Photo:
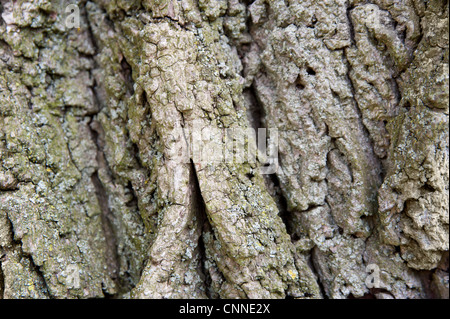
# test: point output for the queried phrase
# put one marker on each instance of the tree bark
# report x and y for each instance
(95, 202)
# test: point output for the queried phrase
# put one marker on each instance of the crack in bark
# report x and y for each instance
(97, 136)
(17, 245)
(89, 29)
(112, 258)
(257, 115)
(38, 271)
(2, 280)
(200, 206)
(106, 215)
(316, 273)
(350, 24)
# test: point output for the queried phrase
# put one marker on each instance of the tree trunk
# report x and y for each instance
(95, 200)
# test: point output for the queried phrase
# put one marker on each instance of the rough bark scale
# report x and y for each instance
(89, 183)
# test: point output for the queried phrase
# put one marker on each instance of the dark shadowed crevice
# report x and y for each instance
(358, 111)
(352, 87)
(133, 202)
(34, 268)
(202, 252)
(115, 227)
(379, 166)
(38, 272)
(439, 276)
(127, 74)
(313, 268)
(9, 188)
(256, 116)
(255, 113)
(350, 24)
(205, 226)
(123, 280)
(281, 201)
(2, 280)
(17, 245)
(299, 83)
(111, 257)
(1, 21)
(200, 207)
(107, 217)
(426, 278)
(89, 29)
(199, 202)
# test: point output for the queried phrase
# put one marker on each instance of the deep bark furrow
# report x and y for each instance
(112, 260)
(2, 281)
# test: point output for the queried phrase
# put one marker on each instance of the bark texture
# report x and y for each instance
(95, 203)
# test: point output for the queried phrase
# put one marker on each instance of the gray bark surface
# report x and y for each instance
(94, 202)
